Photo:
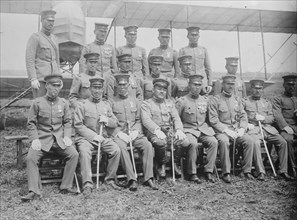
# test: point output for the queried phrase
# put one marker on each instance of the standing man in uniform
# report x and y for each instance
(180, 83)
(49, 127)
(201, 63)
(124, 61)
(42, 54)
(228, 118)
(285, 113)
(107, 63)
(139, 65)
(162, 122)
(127, 111)
(89, 116)
(169, 66)
(231, 67)
(192, 109)
(80, 88)
(258, 110)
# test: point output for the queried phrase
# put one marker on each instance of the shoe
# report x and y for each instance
(151, 184)
(226, 178)
(69, 191)
(249, 176)
(209, 178)
(87, 191)
(177, 170)
(161, 171)
(286, 177)
(261, 177)
(133, 186)
(30, 196)
(194, 178)
(113, 185)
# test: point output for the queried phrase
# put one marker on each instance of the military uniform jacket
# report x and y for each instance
(86, 119)
(158, 114)
(107, 59)
(42, 56)
(170, 60)
(49, 121)
(284, 110)
(193, 113)
(239, 90)
(134, 89)
(139, 58)
(127, 110)
(80, 88)
(226, 112)
(180, 86)
(262, 107)
(201, 63)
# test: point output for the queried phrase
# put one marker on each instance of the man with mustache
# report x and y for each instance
(49, 127)
(42, 54)
(285, 113)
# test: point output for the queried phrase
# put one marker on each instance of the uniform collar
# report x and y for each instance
(99, 42)
(226, 94)
(91, 73)
(46, 32)
(131, 45)
(123, 96)
(164, 47)
(193, 44)
(155, 75)
(95, 100)
(158, 100)
(256, 98)
(289, 95)
(194, 96)
(51, 99)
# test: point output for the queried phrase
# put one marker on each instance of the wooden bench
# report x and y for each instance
(19, 147)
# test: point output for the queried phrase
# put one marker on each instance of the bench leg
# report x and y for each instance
(19, 145)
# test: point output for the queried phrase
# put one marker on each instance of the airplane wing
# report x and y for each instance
(163, 15)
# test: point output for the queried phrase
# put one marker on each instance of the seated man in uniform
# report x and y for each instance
(161, 122)
(49, 127)
(192, 109)
(258, 110)
(89, 116)
(127, 111)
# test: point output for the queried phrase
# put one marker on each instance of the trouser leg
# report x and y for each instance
(32, 160)
(257, 157)
(284, 144)
(125, 159)
(180, 146)
(160, 148)
(192, 154)
(248, 147)
(224, 143)
(211, 144)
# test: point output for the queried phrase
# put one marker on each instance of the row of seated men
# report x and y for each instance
(152, 124)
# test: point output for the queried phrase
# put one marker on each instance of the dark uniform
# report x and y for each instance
(201, 63)
(170, 66)
(107, 61)
(285, 113)
(192, 109)
(240, 88)
(127, 111)
(87, 126)
(42, 54)
(134, 87)
(255, 105)
(80, 87)
(49, 123)
(139, 58)
(161, 115)
(227, 115)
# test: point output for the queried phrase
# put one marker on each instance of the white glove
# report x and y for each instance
(240, 132)
(160, 134)
(288, 129)
(103, 119)
(124, 137)
(67, 141)
(260, 117)
(133, 135)
(231, 133)
(250, 127)
(180, 135)
(207, 89)
(98, 138)
(36, 145)
(35, 84)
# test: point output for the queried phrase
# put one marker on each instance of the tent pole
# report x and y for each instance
(239, 51)
(263, 46)
(115, 33)
(171, 36)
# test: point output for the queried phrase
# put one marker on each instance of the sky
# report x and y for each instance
(16, 29)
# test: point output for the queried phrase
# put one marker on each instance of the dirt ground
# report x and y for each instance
(272, 199)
